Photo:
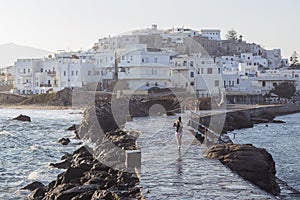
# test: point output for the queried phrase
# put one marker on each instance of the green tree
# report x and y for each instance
(285, 90)
(294, 58)
(232, 35)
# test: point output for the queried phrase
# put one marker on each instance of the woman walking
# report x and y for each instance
(179, 127)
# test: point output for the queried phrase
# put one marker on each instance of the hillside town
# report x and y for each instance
(199, 62)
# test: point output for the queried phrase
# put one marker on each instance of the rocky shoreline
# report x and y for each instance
(253, 164)
(101, 172)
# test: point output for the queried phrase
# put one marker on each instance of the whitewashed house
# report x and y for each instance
(176, 36)
(142, 68)
(228, 63)
(197, 73)
(24, 82)
(211, 34)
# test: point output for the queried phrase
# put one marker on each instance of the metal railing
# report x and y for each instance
(210, 137)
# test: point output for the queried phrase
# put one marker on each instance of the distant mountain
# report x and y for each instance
(10, 52)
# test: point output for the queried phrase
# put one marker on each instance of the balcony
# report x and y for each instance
(52, 74)
(45, 85)
(25, 74)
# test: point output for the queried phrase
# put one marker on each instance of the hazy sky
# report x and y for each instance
(75, 24)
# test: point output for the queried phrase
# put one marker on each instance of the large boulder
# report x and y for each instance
(23, 118)
(34, 185)
(64, 141)
(253, 164)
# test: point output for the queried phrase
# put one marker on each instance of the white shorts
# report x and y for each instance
(178, 133)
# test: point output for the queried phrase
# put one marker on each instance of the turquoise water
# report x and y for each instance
(27, 148)
(282, 141)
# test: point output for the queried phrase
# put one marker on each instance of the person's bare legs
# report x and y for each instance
(179, 137)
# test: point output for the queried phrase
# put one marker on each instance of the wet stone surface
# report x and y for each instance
(167, 173)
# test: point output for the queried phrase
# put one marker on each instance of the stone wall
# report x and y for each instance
(10, 99)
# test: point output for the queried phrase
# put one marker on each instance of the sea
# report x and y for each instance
(27, 148)
(282, 141)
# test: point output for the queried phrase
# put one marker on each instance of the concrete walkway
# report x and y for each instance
(167, 173)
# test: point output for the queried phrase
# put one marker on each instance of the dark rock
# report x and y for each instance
(71, 174)
(253, 164)
(72, 128)
(62, 98)
(84, 196)
(256, 120)
(104, 194)
(62, 165)
(37, 194)
(66, 156)
(57, 190)
(75, 192)
(278, 121)
(64, 141)
(34, 185)
(76, 135)
(23, 118)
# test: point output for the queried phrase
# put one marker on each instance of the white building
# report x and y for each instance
(176, 36)
(24, 81)
(228, 63)
(253, 60)
(211, 34)
(143, 68)
(196, 73)
(275, 59)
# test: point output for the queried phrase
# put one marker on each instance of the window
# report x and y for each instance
(28, 70)
(89, 73)
(274, 84)
(42, 70)
(143, 60)
(72, 73)
(209, 70)
(24, 70)
(65, 73)
(192, 74)
(155, 60)
(191, 63)
(201, 70)
(264, 83)
(97, 73)
(237, 81)
(123, 57)
(217, 83)
(76, 73)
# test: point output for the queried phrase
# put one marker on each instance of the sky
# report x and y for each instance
(77, 24)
